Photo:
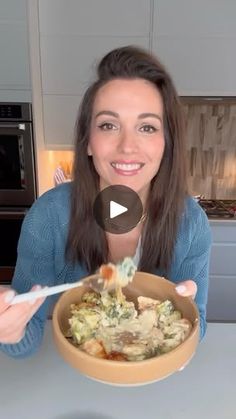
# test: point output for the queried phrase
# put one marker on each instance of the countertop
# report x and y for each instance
(222, 221)
(44, 386)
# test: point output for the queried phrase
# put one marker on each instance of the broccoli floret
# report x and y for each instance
(84, 323)
(117, 310)
(166, 308)
(91, 297)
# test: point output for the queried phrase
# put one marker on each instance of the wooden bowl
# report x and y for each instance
(121, 372)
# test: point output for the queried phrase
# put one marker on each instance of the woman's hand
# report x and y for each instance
(187, 288)
(13, 319)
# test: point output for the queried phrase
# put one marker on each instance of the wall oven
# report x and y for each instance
(10, 227)
(17, 179)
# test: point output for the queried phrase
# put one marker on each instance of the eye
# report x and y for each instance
(147, 128)
(107, 126)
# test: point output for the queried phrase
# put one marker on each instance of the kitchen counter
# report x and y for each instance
(222, 221)
(44, 386)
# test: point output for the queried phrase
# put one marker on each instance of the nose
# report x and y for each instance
(128, 143)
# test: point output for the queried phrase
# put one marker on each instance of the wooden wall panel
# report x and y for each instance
(211, 146)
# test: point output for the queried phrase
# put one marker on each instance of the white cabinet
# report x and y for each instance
(222, 287)
(95, 18)
(14, 63)
(73, 36)
(194, 39)
(196, 42)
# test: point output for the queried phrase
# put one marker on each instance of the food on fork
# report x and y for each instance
(118, 275)
(115, 277)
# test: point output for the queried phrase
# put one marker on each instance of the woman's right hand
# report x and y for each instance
(13, 319)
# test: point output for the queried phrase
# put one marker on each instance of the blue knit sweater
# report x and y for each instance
(41, 258)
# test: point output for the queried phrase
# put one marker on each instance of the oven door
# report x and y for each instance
(10, 227)
(17, 169)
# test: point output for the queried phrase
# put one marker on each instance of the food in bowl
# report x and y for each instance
(106, 325)
(119, 372)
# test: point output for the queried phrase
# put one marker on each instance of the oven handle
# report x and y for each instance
(18, 126)
(9, 215)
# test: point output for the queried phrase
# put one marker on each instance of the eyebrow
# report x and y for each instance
(141, 116)
(116, 115)
(150, 114)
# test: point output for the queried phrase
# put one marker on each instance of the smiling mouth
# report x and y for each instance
(127, 167)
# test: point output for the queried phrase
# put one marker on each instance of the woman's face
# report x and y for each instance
(127, 134)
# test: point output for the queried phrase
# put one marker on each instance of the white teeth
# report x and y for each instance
(127, 167)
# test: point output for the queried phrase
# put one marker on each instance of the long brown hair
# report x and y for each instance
(87, 242)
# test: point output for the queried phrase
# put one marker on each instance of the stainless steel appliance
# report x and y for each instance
(17, 168)
(219, 208)
(10, 226)
(17, 179)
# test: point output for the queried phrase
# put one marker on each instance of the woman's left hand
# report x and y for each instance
(187, 288)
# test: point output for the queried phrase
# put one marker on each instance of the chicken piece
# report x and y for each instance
(116, 356)
(135, 351)
(95, 348)
(146, 303)
(147, 320)
(186, 326)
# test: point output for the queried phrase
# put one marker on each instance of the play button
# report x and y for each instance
(117, 209)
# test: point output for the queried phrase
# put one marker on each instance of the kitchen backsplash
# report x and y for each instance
(211, 145)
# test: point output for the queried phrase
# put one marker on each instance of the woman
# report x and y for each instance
(129, 132)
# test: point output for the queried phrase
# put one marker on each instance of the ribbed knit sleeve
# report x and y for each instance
(196, 245)
(35, 265)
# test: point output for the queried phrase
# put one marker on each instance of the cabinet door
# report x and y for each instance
(221, 301)
(95, 18)
(222, 280)
(14, 62)
(73, 37)
(196, 42)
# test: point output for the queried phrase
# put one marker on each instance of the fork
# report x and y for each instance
(105, 279)
(96, 282)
